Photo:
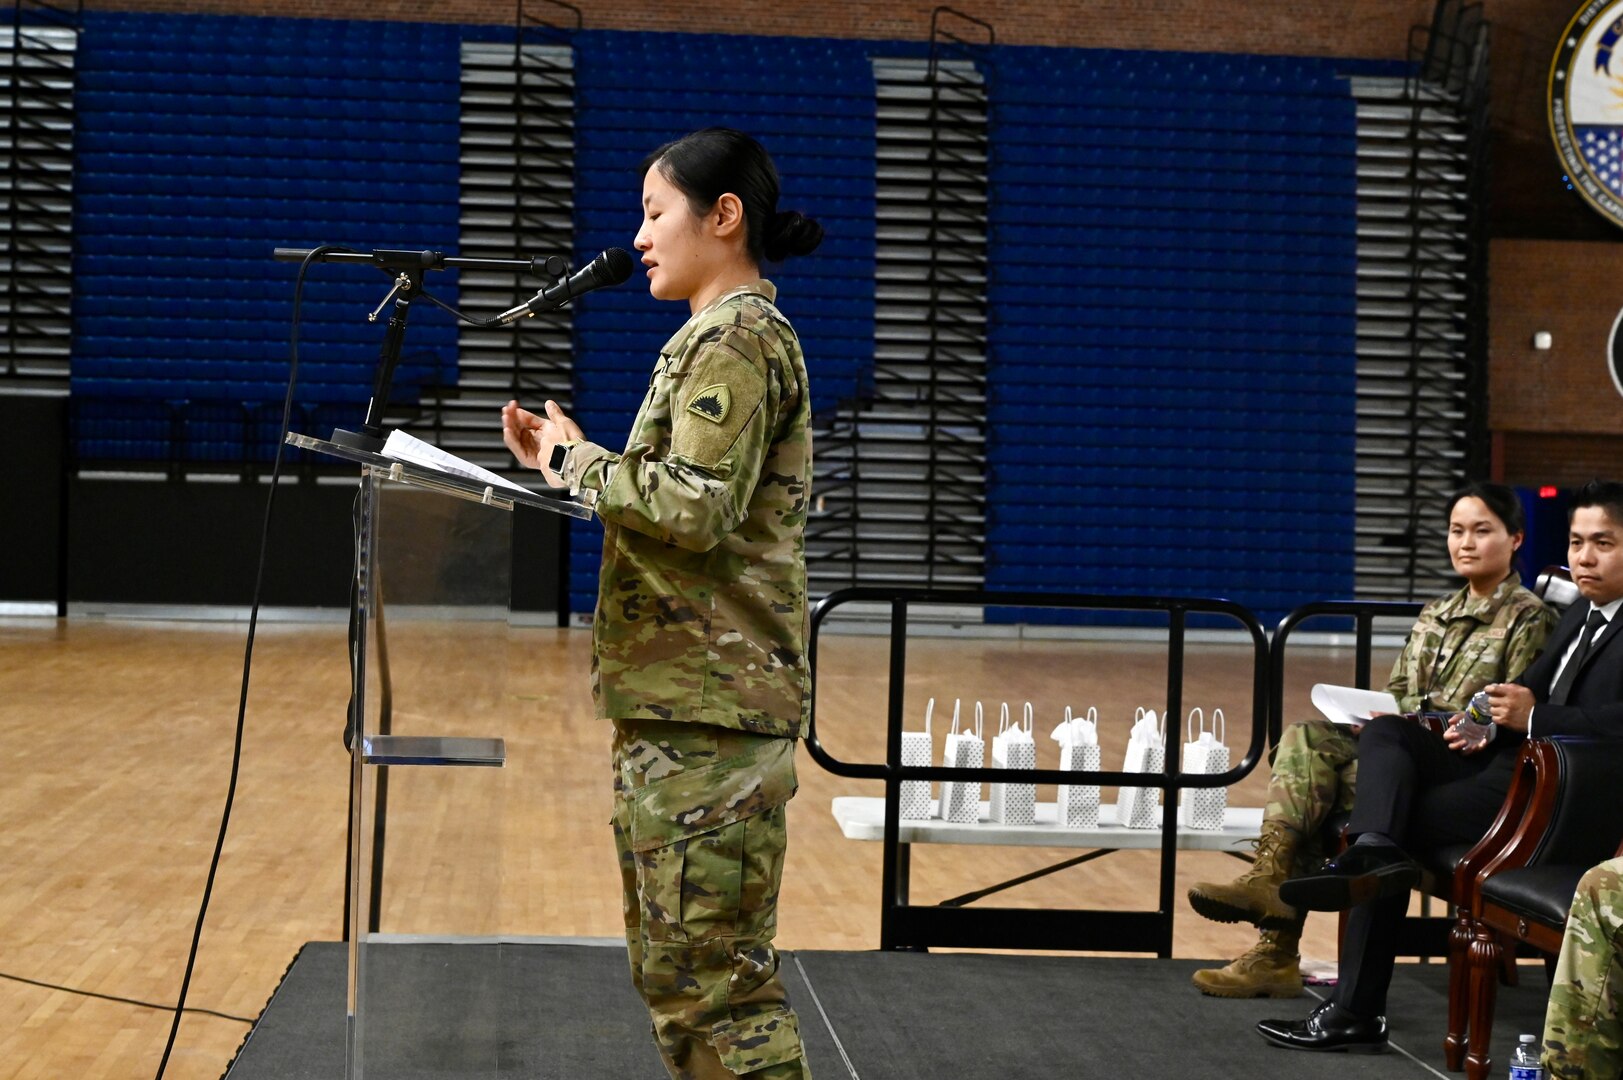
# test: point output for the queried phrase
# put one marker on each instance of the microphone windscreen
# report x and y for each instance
(617, 266)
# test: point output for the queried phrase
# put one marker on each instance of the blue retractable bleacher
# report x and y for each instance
(1173, 251)
(203, 142)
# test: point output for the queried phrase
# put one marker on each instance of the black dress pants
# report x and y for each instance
(1414, 789)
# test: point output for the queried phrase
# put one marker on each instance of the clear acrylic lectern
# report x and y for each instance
(440, 551)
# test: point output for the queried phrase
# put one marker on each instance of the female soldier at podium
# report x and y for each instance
(701, 623)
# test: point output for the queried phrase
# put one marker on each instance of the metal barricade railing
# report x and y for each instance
(903, 925)
(1362, 612)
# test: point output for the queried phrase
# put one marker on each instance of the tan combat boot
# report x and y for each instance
(1271, 969)
(1253, 897)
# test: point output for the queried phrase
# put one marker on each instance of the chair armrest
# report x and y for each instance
(1572, 813)
(1532, 769)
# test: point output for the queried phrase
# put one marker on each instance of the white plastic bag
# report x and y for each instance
(1013, 748)
(1146, 753)
(915, 794)
(1078, 739)
(1204, 754)
(961, 799)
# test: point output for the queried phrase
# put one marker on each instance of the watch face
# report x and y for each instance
(560, 452)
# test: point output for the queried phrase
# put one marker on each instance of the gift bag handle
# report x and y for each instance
(1003, 719)
(1029, 719)
(1161, 728)
(1192, 732)
(955, 703)
(929, 710)
(979, 728)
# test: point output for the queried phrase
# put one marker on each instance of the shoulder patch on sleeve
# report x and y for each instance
(730, 385)
(712, 402)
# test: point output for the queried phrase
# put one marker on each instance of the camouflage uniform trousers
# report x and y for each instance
(700, 897)
(1315, 772)
(1583, 1034)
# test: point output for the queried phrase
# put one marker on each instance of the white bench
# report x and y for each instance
(863, 818)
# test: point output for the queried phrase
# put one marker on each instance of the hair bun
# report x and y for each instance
(791, 233)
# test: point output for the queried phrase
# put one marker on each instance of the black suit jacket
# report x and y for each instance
(1595, 705)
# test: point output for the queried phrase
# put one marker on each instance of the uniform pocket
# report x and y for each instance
(758, 1042)
(697, 801)
(712, 882)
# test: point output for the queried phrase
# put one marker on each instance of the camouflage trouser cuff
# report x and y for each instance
(757, 1042)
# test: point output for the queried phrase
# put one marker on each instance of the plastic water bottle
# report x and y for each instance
(1525, 1063)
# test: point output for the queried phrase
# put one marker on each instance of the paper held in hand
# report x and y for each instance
(414, 451)
(1350, 705)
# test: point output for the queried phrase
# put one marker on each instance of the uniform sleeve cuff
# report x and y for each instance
(586, 468)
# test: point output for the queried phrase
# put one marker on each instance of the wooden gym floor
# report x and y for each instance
(116, 754)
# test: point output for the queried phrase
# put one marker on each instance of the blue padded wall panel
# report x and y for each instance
(1172, 326)
(811, 103)
(203, 142)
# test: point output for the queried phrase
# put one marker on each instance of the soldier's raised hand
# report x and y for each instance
(522, 431)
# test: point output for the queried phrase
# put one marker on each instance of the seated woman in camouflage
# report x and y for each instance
(699, 637)
(1487, 632)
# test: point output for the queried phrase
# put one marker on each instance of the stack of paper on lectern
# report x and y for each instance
(414, 451)
(1350, 705)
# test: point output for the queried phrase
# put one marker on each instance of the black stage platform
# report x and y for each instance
(567, 1011)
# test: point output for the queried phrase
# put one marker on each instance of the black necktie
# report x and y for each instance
(1569, 674)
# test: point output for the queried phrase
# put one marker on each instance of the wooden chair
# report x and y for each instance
(1561, 817)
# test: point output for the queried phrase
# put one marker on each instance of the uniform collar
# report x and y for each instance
(760, 286)
(1462, 605)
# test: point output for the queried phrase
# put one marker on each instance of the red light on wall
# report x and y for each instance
(1548, 492)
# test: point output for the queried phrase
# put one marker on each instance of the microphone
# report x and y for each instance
(610, 268)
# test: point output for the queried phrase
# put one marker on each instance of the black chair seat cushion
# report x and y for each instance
(1442, 861)
(1541, 894)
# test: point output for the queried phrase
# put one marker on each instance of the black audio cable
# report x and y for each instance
(248, 651)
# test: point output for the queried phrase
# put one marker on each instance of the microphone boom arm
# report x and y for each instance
(408, 269)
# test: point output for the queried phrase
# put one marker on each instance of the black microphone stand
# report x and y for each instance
(408, 269)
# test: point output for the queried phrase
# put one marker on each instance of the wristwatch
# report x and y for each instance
(560, 457)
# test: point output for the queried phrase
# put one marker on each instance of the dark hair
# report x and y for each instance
(707, 164)
(1498, 498)
(1606, 494)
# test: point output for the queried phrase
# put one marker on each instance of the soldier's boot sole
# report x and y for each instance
(1216, 986)
(1280, 916)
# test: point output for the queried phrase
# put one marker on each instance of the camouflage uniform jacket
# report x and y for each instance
(1461, 643)
(701, 602)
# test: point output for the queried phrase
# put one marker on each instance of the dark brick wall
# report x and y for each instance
(1557, 417)
(1368, 28)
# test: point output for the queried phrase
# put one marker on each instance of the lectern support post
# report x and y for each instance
(384, 749)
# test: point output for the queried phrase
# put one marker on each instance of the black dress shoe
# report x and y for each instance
(1328, 1027)
(1362, 873)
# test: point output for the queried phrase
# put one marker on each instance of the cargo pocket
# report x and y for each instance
(758, 1042)
(712, 880)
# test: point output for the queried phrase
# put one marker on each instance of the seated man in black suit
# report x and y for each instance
(1417, 791)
